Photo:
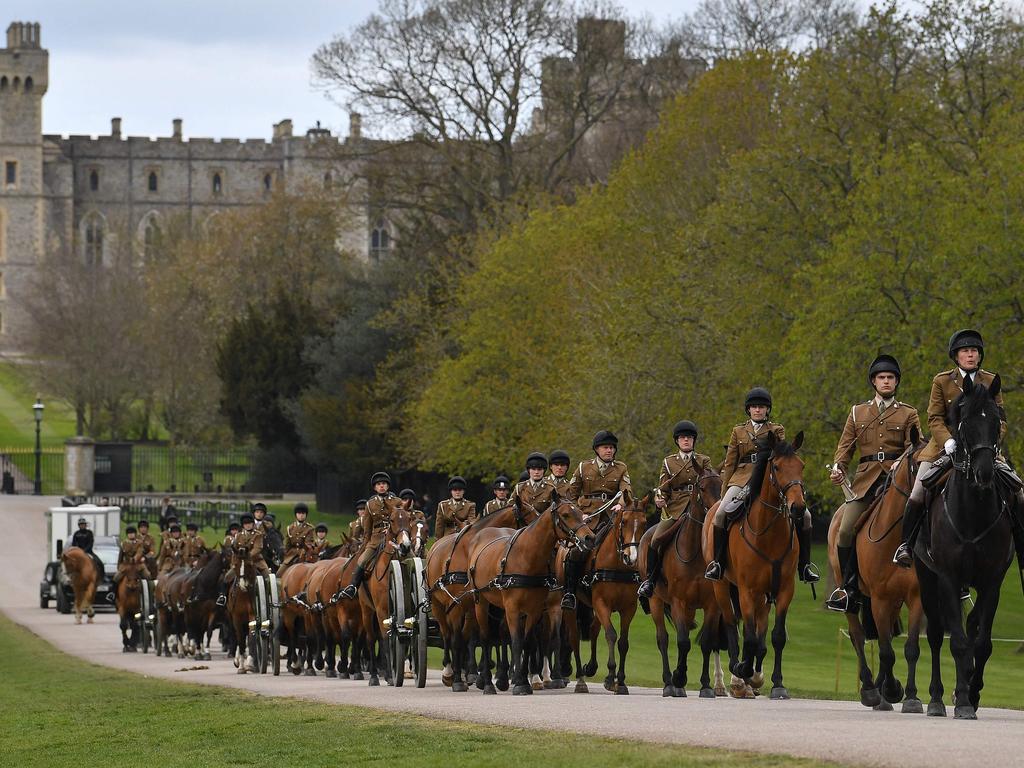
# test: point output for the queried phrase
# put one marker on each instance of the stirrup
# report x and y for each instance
(646, 589)
(714, 571)
(569, 601)
(809, 574)
(965, 593)
(349, 593)
(838, 601)
(222, 600)
(903, 557)
(111, 597)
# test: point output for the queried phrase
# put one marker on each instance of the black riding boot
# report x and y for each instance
(653, 574)
(846, 597)
(572, 581)
(805, 569)
(720, 539)
(912, 515)
(352, 590)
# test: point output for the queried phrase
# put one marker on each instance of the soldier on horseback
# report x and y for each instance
(195, 547)
(262, 522)
(229, 535)
(83, 537)
(455, 513)
(594, 483)
(320, 542)
(172, 550)
(558, 461)
(376, 519)
(677, 486)
(966, 350)
(131, 551)
(249, 541)
(501, 487)
(298, 537)
(881, 430)
(537, 491)
(747, 445)
(409, 499)
(355, 528)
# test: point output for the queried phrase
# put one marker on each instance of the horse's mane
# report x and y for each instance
(784, 448)
(331, 552)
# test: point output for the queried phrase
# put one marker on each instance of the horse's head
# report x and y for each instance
(787, 472)
(401, 529)
(131, 577)
(709, 488)
(630, 524)
(974, 423)
(570, 525)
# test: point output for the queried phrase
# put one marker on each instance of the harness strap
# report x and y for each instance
(611, 575)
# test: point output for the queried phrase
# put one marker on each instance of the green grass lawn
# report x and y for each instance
(17, 420)
(59, 710)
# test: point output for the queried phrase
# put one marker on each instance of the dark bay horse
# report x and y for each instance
(761, 565)
(684, 591)
(201, 609)
(886, 589)
(968, 542)
(129, 603)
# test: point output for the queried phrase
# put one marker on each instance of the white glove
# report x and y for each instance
(950, 446)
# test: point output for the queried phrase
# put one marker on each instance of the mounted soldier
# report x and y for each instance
(262, 522)
(130, 551)
(966, 350)
(195, 547)
(454, 513)
(320, 542)
(558, 461)
(83, 537)
(229, 535)
(595, 482)
(375, 520)
(298, 538)
(748, 444)
(880, 429)
(249, 541)
(536, 491)
(501, 487)
(420, 528)
(677, 486)
(172, 549)
(148, 544)
(355, 528)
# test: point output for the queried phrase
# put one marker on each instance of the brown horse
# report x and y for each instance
(761, 565)
(447, 575)
(886, 589)
(81, 571)
(344, 617)
(511, 570)
(611, 572)
(240, 611)
(129, 603)
(374, 599)
(321, 624)
(684, 591)
(201, 585)
(294, 618)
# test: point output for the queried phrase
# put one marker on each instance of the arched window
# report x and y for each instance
(151, 237)
(218, 185)
(3, 83)
(93, 236)
(153, 182)
(94, 181)
(268, 182)
(380, 239)
(16, 83)
(28, 85)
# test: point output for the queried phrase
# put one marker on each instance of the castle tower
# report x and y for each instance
(24, 72)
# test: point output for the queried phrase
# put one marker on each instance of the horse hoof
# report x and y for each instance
(870, 697)
(374, 681)
(609, 683)
(447, 679)
(524, 689)
(319, 664)
(472, 677)
(489, 690)
(964, 712)
(132, 649)
(668, 691)
(883, 706)
(720, 691)
(343, 676)
(708, 693)
(778, 693)
(537, 685)
(893, 691)
(621, 690)
(502, 683)
(740, 690)
(357, 676)
(330, 673)
(550, 685)
(581, 687)
(241, 671)
(936, 709)
(590, 669)
(78, 619)
(459, 686)
(912, 707)
(310, 672)
(757, 680)
(89, 620)
(559, 684)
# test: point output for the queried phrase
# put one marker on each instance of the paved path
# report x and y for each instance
(833, 730)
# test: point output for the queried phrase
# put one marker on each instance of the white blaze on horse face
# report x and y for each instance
(632, 550)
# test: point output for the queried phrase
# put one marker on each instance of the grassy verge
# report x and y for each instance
(58, 710)
(17, 421)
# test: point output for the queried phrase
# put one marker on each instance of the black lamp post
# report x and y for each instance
(37, 408)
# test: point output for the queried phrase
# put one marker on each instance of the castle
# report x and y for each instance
(82, 193)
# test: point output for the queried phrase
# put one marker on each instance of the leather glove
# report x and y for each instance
(950, 446)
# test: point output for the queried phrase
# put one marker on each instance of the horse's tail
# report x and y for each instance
(715, 633)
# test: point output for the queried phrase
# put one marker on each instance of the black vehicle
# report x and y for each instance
(54, 587)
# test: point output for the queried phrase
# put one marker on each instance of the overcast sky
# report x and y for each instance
(227, 68)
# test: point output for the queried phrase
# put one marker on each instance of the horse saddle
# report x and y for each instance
(1009, 477)
(736, 506)
(936, 474)
(99, 566)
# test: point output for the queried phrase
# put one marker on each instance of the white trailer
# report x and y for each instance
(62, 522)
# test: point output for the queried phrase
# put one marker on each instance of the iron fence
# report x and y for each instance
(18, 470)
(164, 468)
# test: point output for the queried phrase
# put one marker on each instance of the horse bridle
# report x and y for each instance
(571, 534)
(620, 544)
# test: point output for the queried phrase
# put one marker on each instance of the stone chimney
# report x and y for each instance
(283, 130)
(355, 126)
(176, 134)
(115, 127)
(23, 35)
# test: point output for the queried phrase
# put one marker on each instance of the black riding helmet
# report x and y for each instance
(174, 527)
(143, 523)
(884, 364)
(684, 427)
(321, 527)
(501, 483)
(191, 527)
(407, 493)
(536, 460)
(360, 504)
(757, 396)
(966, 337)
(301, 507)
(130, 529)
(248, 519)
(559, 457)
(457, 482)
(259, 505)
(380, 477)
(524, 475)
(604, 437)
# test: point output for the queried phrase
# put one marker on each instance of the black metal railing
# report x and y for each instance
(18, 470)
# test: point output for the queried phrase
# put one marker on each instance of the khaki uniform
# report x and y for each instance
(747, 444)
(376, 519)
(540, 495)
(355, 529)
(251, 542)
(319, 545)
(195, 547)
(130, 552)
(453, 516)
(148, 544)
(172, 554)
(493, 506)
(595, 482)
(880, 440)
(561, 483)
(946, 389)
(685, 472)
(298, 537)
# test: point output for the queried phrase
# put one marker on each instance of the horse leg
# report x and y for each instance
(912, 652)
(625, 618)
(504, 662)
(985, 610)
(747, 610)
(887, 682)
(869, 695)
(460, 648)
(573, 637)
(661, 636)
(719, 676)
(706, 638)
(935, 633)
(603, 615)
(778, 645)
(513, 618)
(123, 623)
